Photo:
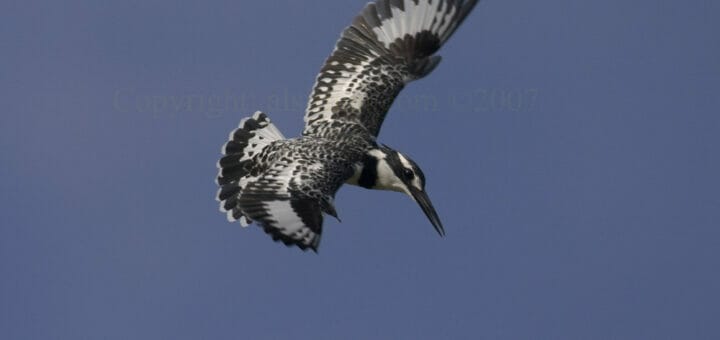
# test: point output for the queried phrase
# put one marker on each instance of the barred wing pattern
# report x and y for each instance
(389, 44)
(288, 200)
(283, 185)
(283, 211)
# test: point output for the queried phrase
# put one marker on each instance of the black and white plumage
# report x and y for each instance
(285, 185)
(388, 45)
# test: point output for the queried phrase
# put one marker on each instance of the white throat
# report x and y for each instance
(386, 178)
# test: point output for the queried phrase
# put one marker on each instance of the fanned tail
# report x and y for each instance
(235, 168)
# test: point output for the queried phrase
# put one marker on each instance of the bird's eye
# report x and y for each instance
(408, 174)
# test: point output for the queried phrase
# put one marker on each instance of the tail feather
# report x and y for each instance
(236, 166)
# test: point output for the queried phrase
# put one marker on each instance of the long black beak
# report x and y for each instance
(424, 201)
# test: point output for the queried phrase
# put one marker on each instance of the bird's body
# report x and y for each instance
(287, 184)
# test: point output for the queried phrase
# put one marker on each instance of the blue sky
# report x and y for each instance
(570, 149)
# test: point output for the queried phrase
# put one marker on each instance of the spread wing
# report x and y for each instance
(390, 43)
(281, 201)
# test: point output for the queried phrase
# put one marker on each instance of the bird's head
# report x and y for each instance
(387, 169)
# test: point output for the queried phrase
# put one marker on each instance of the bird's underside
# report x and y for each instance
(285, 185)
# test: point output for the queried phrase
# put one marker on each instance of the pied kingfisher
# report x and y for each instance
(285, 185)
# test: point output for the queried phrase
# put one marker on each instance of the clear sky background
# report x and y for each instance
(570, 148)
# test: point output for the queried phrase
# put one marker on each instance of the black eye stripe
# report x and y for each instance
(409, 174)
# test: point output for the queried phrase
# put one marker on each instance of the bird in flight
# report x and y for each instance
(286, 185)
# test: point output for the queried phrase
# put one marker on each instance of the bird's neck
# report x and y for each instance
(373, 172)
